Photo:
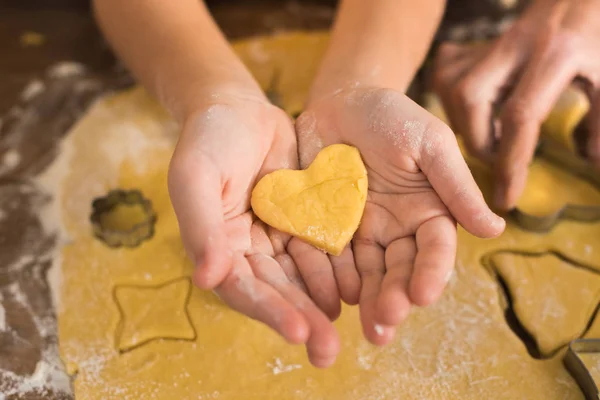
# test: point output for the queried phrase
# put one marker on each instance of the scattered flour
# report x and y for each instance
(308, 137)
(2, 318)
(34, 88)
(278, 367)
(66, 69)
(10, 160)
(378, 329)
(49, 374)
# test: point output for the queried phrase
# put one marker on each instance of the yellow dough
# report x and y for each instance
(123, 217)
(155, 340)
(540, 196)
(542, 290)
(567, 113)
(322, 204)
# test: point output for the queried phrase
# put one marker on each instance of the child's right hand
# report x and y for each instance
(419, 186)
(229, 143)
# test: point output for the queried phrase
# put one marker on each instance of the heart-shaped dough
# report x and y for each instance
(322, 204)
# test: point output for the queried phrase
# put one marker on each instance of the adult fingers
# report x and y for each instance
(548, 73)
(323, 342)
(195, 189)
(317, 273)
(453, 61)
(370, 261)
(243, 292)
(434, 262)
(346, 276)
(393, 304)
(475, 94)
(448, 173)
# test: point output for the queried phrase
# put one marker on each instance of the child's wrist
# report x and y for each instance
(204, 95)
(224, 94)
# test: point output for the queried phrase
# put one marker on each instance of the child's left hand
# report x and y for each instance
(419, 184)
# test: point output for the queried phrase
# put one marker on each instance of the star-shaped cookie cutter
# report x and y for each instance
(131, 237)
(578, 166)
(577, 368)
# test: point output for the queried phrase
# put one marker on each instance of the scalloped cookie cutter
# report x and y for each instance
(127, 230)
(578, 166)
(577, 368)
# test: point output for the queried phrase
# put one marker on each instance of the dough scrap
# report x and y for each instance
(459, 348)
(548, 292)
(154, 312)
(322, 204)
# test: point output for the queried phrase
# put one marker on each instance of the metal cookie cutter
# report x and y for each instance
(577, 368)
(123, 218)
(566, 159)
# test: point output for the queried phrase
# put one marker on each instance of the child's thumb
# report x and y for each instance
(196, 197)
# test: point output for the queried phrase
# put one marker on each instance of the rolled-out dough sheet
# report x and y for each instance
(460, 348)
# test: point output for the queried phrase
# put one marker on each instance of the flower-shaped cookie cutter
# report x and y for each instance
(578, 166)
(577, 367)
(130, 236)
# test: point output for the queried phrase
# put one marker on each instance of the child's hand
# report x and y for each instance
(419, 184)
(225, 147)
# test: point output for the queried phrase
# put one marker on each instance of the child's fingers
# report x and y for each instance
(393, 304)
(323, 342)
(317, 273)
(346, 276)
(370, 261)
(243, 292)
(434, 262)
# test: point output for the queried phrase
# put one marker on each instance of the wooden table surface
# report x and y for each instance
(32, 123)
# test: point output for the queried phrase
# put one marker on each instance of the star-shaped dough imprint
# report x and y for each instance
(152, 313)
(551, 299)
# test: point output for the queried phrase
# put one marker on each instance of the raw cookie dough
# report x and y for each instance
(566, 115)
(548, 292)
(322, 204)
(459, 348)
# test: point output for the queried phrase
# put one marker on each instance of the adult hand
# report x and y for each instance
(522, 73)
(419, 184)
(224, 148)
